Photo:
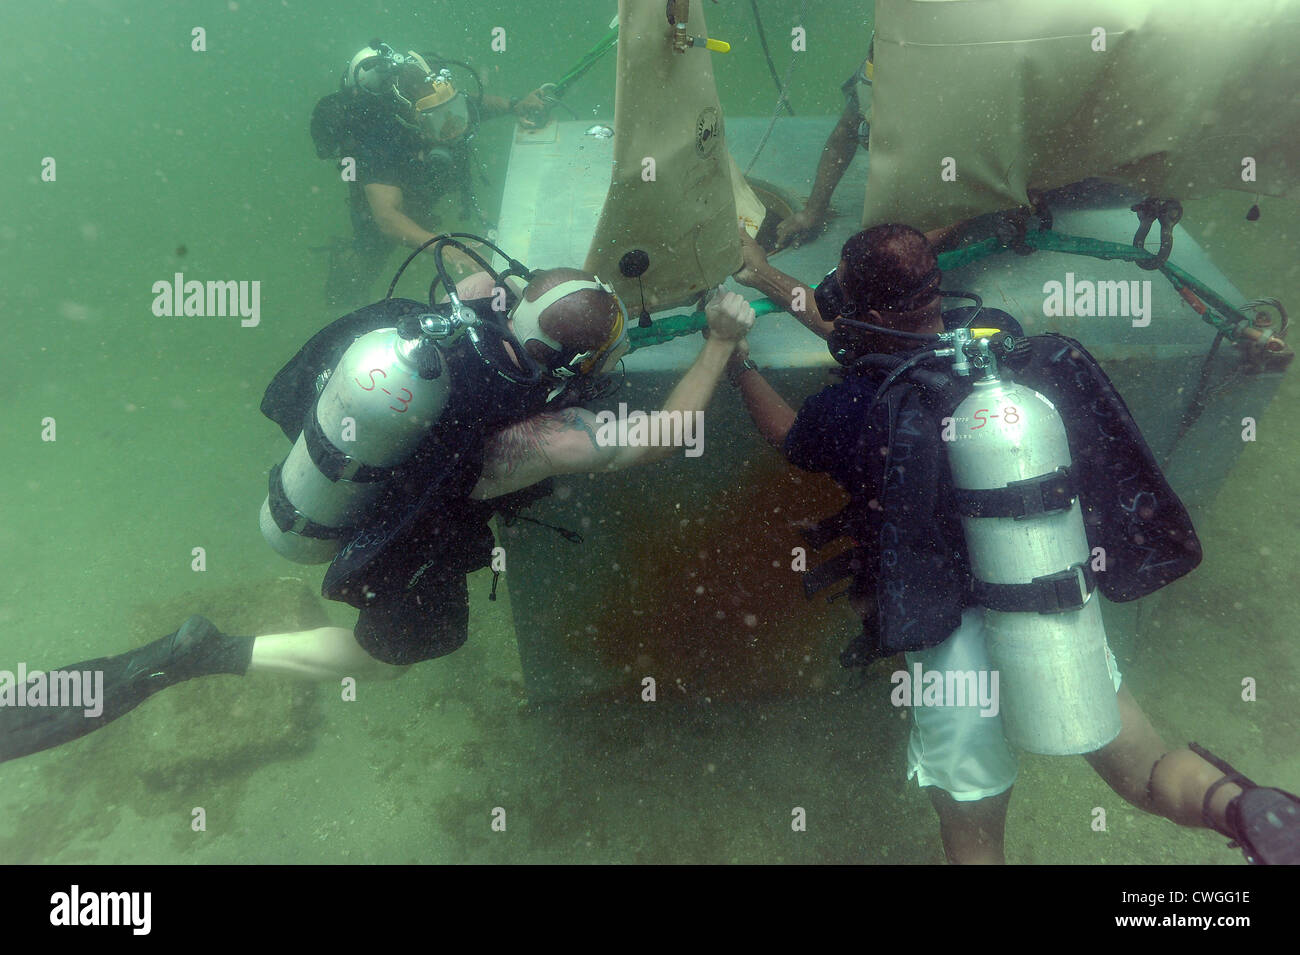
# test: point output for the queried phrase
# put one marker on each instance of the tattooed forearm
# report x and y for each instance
(508, 449)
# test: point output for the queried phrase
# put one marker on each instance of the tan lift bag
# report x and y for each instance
(668, 125)
(1177, 98)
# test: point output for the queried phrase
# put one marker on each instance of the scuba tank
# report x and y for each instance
(380, 401)
(377, 405)
(1038, 473)
(1029, 557)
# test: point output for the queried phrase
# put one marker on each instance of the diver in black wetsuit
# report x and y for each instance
(402, 134)
(888, 278)
(410, 586)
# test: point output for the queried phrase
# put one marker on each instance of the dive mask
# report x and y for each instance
(834, 302)
(831, 300)
(443, 114)
(846, 342)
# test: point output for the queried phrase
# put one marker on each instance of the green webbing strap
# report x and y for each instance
(675, 326)
(589, 59)
(1220, 315)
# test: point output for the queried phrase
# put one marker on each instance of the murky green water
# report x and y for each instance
(174, 160)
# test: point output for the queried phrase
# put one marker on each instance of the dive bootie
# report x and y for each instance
(197, 648)
(1263, 822)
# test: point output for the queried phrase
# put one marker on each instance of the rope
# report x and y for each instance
(767, 52)
(783, 99)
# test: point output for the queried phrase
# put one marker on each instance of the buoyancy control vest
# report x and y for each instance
(912, 550)
(425, 513)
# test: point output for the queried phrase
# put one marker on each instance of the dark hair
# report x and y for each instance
(887, 265)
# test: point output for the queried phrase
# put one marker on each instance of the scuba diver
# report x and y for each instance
(922, 583)
(406, 127)
(459, 408)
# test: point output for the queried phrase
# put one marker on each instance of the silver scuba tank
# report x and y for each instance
(377, 405)
(1029, 556)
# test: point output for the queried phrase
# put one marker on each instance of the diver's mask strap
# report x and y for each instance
(926, 289)
(532, 311)
(615, 345)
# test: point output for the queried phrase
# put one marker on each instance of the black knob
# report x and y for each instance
(634, 264)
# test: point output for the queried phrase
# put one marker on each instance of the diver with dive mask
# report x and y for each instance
(476, 453)
(970, 455)
(402, 131)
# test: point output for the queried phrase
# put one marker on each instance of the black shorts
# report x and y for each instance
(427, 619)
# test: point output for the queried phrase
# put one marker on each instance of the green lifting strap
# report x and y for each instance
(1219, 314)
(589, 59)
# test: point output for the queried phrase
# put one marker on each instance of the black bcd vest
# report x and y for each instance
(425, 516)
(912, 550)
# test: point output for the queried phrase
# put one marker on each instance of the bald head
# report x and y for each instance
(582, 319)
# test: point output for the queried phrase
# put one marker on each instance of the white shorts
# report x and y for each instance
(955, 747)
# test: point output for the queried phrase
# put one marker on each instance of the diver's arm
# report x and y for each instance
(575, 441)
(570, 441)
(773, 417)
(690, 395)
(494, 106)
(531, 111)
(841, 146)
(785, 290)
(386, 206)
(547, 444)
(730, 319)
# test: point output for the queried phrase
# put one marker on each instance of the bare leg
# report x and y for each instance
(1148, 774)
(973, 832)
(323, 654)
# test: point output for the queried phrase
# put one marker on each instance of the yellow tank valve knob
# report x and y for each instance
(717, 46)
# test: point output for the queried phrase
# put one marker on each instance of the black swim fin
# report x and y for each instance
(1264, 822)
(198, 648)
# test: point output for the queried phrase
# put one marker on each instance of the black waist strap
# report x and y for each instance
(289, 519)
(1061, 592)
(1038, 495)
(828, 528)
(333, 463)
(823, 575)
